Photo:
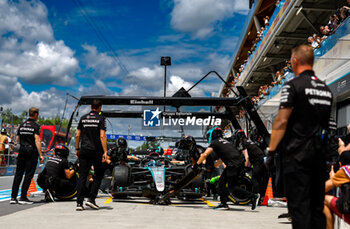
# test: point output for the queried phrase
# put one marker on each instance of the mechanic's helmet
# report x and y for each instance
(3, 131)
(186, 143)
(61, 150)
(214, 133)
(238, 137)
(254, 134)
(160, 150)
(121, 143)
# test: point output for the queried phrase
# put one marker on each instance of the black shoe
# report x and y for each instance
(80, 207)
(25, 201)
(13, 201)
(222, 206)
(92, 204)
(255, 200)
(48, 196)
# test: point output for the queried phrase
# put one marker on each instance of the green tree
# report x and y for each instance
(9, 117)
(148, 145)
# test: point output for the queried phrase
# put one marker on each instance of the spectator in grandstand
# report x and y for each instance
(286, 69)
(347, 7)
(260, 33)
(278, 76)
(324, 32)
(249, 53)
(266, 21)
(339, 179)
(343, 13)
(331, 23)
(278, 2)
(313, 43)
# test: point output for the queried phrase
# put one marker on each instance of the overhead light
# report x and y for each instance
(249, 33)
(247, 84)
(299, 10)
(265, 58)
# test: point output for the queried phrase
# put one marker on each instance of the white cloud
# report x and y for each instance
(97, 88)
(27, 19)
(14, 96)
(29, 50)
(177, 82)
(105, 65)
(219, 63)
(50, 102)
(149, 78)
(200, 16)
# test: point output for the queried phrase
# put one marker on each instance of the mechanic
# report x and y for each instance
(255, 160)
(301, 125)
(119, 153)
(28, 135)
(234, 162)
(55, 178)
(194, 151)
(91, 149)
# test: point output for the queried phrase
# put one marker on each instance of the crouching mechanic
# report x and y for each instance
(55, 178)
(234, 162)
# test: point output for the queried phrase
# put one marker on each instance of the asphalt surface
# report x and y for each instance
(133, 213)
(138, 213)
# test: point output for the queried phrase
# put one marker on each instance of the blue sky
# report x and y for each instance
(49, 48)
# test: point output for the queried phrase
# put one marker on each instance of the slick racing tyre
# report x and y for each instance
(245, 183)
(121, 176)
(197, 183)
(69, 194)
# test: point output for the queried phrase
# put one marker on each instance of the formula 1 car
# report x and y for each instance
(151, 177)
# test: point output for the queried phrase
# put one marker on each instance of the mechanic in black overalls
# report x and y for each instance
(91, 149)
(234, 162)
(28, 136)
(119, 154)
(302, 122)
(256, 160)
(55, 178)
(194, 151)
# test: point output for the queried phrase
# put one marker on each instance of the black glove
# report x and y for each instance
(270, 159)
(73, 166)
(195, 167)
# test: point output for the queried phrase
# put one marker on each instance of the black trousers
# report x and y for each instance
(85, 163)
(60, 186)
(305, 189)
(259, 178)
(230, 176)
(26, 163)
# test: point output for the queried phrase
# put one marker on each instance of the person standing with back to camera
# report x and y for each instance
(91, 149)
(301, 126)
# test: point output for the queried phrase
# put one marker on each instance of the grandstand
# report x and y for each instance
(255, 61)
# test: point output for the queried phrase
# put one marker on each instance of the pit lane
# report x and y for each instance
(138, 213)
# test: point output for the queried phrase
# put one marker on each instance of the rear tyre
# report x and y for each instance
(245, 183)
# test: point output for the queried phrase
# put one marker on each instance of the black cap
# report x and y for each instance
(344, 158)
